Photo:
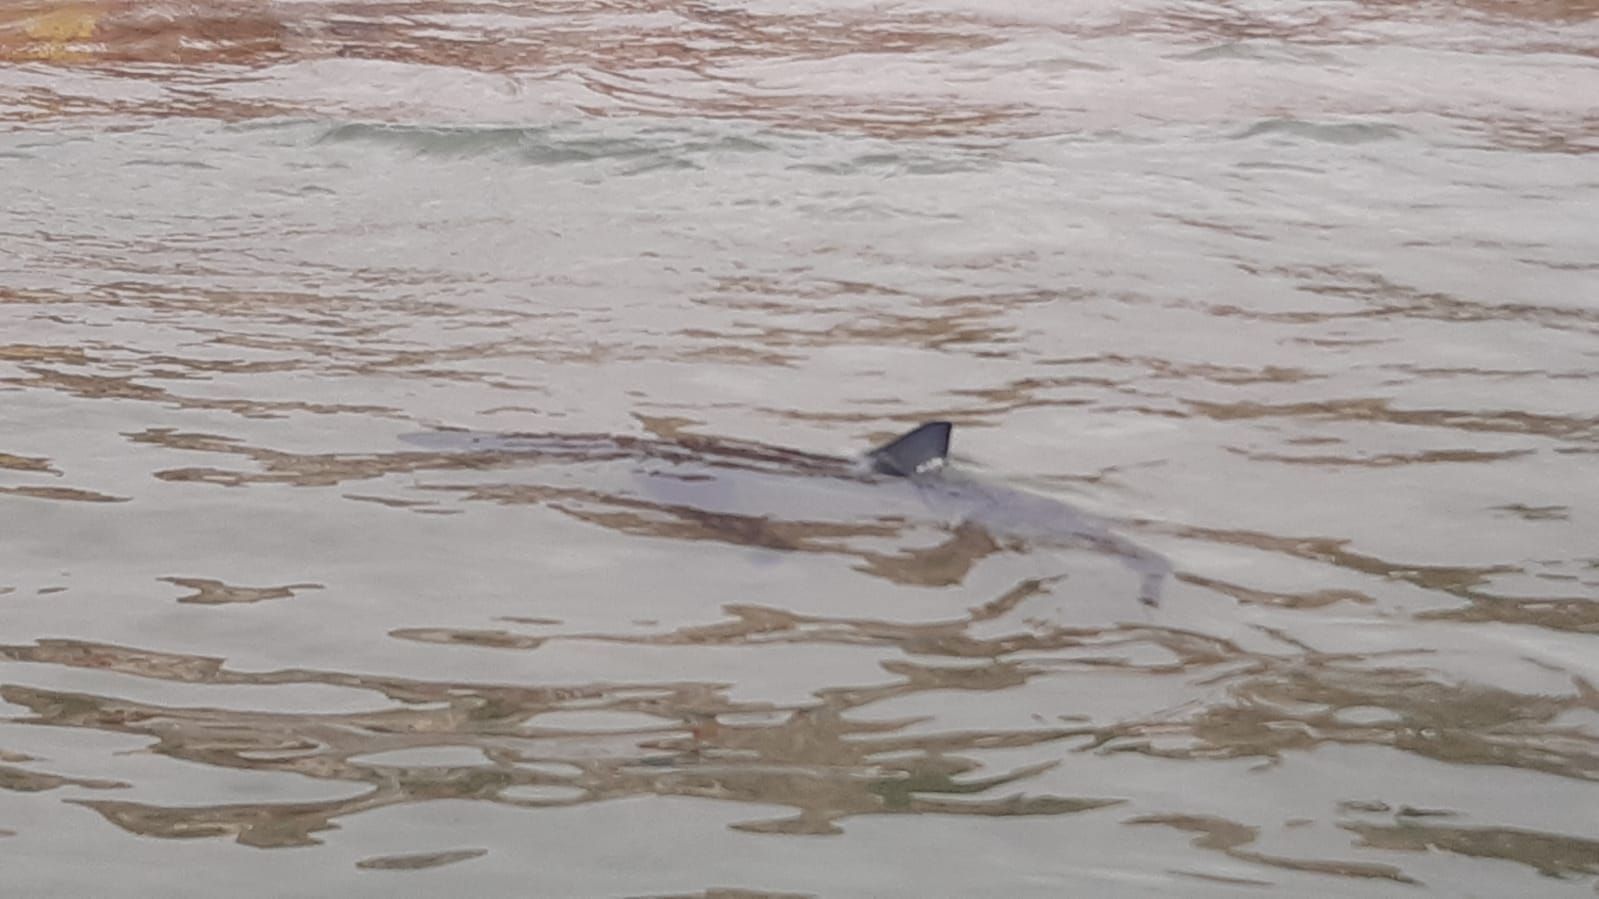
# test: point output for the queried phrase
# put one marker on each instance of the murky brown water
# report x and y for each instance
(1304, 297)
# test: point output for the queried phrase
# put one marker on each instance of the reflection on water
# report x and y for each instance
(814, 759)
(1230, 837)
(1300, 298)
(212, 591)
(1551, 854)
(419, 860)
(828, 760)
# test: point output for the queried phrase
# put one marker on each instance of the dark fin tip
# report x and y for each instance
(909, 453)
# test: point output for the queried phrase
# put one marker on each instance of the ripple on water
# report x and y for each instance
(1299, 296)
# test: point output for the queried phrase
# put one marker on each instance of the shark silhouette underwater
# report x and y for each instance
(753, 494)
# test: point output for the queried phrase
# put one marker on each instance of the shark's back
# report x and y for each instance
(1006, 513)
(1041, 521)
(732, 489)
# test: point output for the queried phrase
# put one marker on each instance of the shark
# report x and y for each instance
(696, 487)
(921, 457)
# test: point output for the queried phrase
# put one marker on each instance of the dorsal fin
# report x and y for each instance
(914, 451)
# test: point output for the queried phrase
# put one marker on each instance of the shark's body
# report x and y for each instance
(922, 457)
(732, 491)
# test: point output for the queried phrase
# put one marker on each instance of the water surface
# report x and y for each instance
(1303, 297)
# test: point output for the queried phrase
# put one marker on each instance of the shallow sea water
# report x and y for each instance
(1305, 297)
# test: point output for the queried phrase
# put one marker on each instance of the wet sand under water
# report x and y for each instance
(1304, 298)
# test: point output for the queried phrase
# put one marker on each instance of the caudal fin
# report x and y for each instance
(912, 452)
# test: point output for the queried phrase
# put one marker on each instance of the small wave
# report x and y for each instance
(1324, 132)
(549, 145)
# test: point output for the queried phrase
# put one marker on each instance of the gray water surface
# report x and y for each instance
(1301, 297)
